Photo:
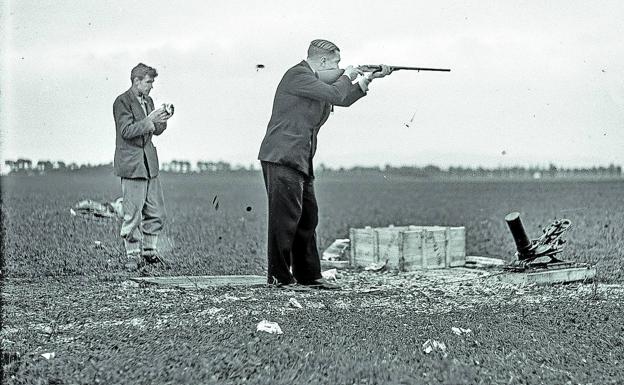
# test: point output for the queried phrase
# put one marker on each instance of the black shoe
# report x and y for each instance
(323, 284)
(289, 286)
(151, 256)
(134, 262)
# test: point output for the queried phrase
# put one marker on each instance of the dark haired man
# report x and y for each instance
(136, 162)
(301, 106)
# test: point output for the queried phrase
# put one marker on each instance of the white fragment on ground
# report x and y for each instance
(48, 356)
(376, 266)
(269, 327)
(294, 303)
(129, 284)
(330, 274)
(136, 322)
(315, 305)
(460, 331)
(337, 250)
(434, 345)
(72, 212)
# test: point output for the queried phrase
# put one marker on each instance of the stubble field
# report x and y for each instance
(63, 294)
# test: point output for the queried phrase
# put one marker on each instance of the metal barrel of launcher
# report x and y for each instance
(523, 243)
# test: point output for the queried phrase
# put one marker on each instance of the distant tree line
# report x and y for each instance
(431, 171)
(26, 166)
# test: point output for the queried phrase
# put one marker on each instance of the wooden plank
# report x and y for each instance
(483, 262)
(434, 247)
(455, 246)
(204, 281)
(334, 264)
(411, 243)
(363, 247)
(548, 277)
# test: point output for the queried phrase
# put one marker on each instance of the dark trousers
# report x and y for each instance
(293, 216)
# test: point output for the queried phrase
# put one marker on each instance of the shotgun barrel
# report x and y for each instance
(330, 76)
(375, 68)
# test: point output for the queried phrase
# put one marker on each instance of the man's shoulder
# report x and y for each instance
(298, 71)
(300, 68)
(122, 98)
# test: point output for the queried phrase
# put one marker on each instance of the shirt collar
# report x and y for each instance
(141, 98)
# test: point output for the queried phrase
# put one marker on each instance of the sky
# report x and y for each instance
(531, 82)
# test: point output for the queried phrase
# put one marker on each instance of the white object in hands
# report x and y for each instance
(168, 107)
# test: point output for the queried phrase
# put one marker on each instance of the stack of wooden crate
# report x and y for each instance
(408, 247)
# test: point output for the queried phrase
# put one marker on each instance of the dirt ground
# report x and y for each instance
(375, 330)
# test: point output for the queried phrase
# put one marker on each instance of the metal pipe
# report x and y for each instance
(523, 243)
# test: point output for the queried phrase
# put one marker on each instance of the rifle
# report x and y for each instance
(330, 76)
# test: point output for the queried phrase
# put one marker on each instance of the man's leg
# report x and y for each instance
(153, 216)
(306, 262)
(284, 187)
(133, 192)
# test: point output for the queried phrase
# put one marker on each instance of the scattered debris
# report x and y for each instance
(294, 303)
(460, 331)
(376, 266)
(434, 345)
(483, 262)
(89, 207)
(372, 290)
(337, 250)
(269, 327)
(48, 356)
(410, 121)
(330, 274)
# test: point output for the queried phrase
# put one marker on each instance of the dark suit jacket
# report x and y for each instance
(301, 106)
(135, 154)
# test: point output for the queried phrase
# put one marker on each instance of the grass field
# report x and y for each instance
(61, 293)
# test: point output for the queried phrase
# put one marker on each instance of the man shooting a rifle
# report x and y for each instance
(303, 101)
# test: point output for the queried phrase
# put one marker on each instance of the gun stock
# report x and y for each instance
(330, 76)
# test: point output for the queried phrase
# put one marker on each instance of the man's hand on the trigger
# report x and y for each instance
(385, 71)
(158, 116)
(352, 72)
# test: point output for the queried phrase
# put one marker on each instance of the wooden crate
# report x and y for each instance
(408, 247)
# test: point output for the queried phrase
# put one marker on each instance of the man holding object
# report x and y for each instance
(136, 162)
(301, 106)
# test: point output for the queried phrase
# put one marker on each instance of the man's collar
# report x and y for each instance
(136, 93)
(309, 66)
